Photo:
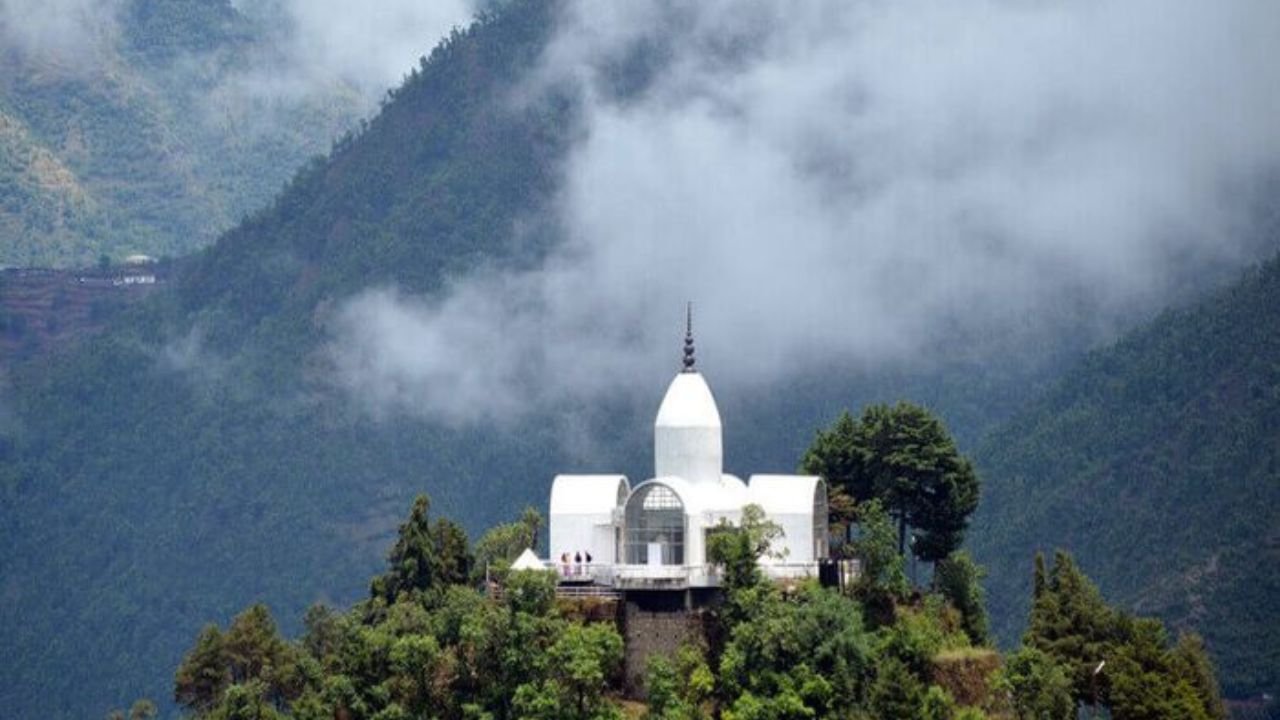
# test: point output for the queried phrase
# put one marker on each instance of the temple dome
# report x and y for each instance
(687, 436)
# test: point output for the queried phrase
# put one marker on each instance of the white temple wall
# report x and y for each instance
(692, 453)
(796, 544)
(592, 533)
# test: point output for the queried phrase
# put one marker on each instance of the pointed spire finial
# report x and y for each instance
(688, 339)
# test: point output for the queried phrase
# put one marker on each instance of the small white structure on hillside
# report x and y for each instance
(654, 535)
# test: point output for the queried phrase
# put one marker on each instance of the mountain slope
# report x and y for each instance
(152, 480)
(144, 147)
(1157, 463)
(198, 457)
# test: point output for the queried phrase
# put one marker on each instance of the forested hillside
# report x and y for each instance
(199, 456)
(144, 144)
(235, 476)
(1157, 462)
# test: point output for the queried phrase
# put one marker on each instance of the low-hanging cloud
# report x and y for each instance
(316, 44)
(853, 183)
(306, 47)
(73, 34)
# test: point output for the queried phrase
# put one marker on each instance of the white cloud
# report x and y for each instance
(72, 34)
(370, 46)
(856, 183)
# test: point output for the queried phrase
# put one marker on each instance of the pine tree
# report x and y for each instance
(204, 672)
(959, 579)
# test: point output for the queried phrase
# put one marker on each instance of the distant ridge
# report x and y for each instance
(131, 149)
(1157, 463)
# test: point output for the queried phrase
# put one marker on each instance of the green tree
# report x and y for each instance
(1037, 688)
(253, 645)
(883, 572)
(1141, 684)
(1071, 622)
(807, 647)
(737, 549)
(246, 702)
(501, 545)
(937, 704)
(1190, 662)
(959, 580)
(204, 673)
(143, 709)
(896, 694)
(677, 690)
(1143, 678)
(426, 556)
(903, 456)
(582, 661)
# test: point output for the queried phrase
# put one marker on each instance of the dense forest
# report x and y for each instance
(146, 145)
(1158, 459)
(196, 458)
(432, 641)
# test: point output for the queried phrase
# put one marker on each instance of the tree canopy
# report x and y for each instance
(903, 456)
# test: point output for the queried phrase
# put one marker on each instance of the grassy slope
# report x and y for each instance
(1157, 462)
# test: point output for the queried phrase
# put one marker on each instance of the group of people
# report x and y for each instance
(579, 559)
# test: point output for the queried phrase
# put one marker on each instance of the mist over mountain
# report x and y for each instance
(484, 284)
(1158, 459)
(865, 183)
(151, 127)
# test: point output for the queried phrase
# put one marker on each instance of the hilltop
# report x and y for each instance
(197, 456)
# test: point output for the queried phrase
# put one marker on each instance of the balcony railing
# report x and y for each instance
(671, 576)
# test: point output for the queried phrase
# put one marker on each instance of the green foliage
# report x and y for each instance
(502, 544)
(904, 457)
(1036, 686)
(246, 702)
(1155, 462)
(918, 635)
(808, 652)
(738, 548)
(1071, 622)
(154, 146)
(583, 659)
(883, 568)
(143, 709)
(200, 442)
(204, 673)
(1143, 677)
(240, 476)
(937, 705)
(959, 579)
(1190, 663)
(448, 653)
(798, 653)
(239, 672)
(897, 693)
(678, 690)
(427, 557)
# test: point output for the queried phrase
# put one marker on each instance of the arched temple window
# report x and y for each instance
(655, 526)
(821, 533)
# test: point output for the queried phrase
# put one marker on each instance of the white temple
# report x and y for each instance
(653, 535)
